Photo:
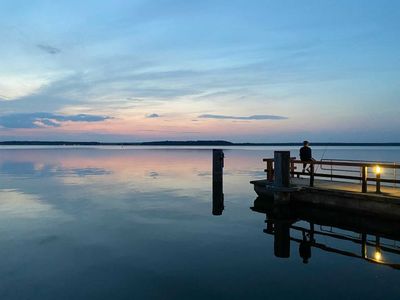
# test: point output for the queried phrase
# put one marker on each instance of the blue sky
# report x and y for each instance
(235, 70)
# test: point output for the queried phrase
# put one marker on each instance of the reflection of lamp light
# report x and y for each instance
(378, 255)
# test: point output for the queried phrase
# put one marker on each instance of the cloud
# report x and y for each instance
(151, 116)
(48, 49)
(253, 117)
(41, 119)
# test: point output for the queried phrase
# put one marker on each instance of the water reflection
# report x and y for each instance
(357, 236)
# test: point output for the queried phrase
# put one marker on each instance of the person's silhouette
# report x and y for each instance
(305, 155)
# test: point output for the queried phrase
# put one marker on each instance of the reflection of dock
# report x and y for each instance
(375, 242)
(367, 191)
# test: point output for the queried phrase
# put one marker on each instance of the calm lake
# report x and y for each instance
(137, 223)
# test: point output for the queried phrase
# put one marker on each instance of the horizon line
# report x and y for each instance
(189, 143)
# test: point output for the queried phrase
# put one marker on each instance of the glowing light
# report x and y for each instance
(378, 255)
(378, 170)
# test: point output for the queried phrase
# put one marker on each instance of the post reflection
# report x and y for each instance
(282, 238)
(217, 182)
(306, 228)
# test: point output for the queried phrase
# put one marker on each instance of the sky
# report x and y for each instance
(243, 71)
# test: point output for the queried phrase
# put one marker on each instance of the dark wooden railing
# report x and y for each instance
(364, 167)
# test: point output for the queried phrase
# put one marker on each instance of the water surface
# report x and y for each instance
(137, 223)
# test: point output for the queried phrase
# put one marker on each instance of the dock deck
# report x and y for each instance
(338, 186)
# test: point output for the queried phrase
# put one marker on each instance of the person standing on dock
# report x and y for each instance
(306, 155)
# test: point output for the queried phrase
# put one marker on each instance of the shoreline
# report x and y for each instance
(184, 143)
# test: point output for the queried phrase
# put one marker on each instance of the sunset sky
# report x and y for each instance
(257, 71)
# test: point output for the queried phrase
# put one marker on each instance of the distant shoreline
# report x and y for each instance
(179, 143)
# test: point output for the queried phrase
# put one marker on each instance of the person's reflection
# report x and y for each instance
(306, 243)
(217, 185)
(270, 226)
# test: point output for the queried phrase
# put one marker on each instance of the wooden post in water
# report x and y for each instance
(364, 177)
(217, 185)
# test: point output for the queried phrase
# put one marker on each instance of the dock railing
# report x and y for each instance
(367, 171)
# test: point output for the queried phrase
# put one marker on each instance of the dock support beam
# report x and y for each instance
(217, 184)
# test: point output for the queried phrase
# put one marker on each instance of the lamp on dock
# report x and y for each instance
(378, 171)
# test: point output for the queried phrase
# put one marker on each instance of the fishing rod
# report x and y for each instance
(322, 157)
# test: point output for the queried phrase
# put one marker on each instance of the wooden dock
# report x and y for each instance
(368, 193)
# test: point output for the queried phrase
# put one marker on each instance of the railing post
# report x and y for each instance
(378, 183)
(364, 178)
(311, 174)
(270, 170)
(292, 168)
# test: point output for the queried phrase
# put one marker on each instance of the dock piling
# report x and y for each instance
(281, 176)
(282, 168)
(217, 184)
